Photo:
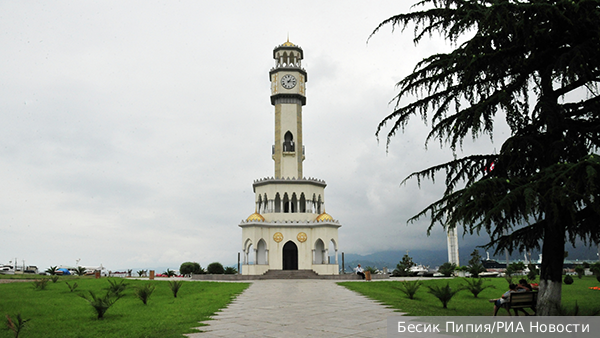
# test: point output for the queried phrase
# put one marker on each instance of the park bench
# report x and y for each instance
(521, 300)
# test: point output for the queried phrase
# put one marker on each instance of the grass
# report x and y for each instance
(463, 303)
(56, 311)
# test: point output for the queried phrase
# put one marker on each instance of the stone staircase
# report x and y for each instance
(290, 274)
(304, 274)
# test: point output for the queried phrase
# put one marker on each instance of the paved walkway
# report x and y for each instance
(299, 308)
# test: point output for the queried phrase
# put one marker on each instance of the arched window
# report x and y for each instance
(288, 142)
(319, 252)
(302, 203)
(284, 59)
(332, 252)
(265, 204)
(294, 203)
(262, 253)
(248, 252)
(259, 204)
(277, 203)
(319, 205)
(286, 203)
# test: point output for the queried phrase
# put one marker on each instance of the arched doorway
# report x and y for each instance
(290, 256)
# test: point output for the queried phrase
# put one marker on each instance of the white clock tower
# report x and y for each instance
(289, 229)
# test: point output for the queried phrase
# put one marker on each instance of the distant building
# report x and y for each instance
(453, 247)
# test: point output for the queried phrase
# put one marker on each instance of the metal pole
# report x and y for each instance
(344, 266)
(239, 272)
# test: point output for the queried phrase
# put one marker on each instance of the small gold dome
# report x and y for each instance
(288, 44)
(324, 217)
(255, 217)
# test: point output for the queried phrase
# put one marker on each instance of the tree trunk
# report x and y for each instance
(553, 255)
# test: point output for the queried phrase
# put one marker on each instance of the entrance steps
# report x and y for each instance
(290, 274)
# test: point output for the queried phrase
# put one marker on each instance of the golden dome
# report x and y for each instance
(255, 217)
(288, 43)
(324, 217)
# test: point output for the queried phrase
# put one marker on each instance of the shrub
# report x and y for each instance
(373, 270)
(116, 286)
(595, 268)
(533, 272)
(72, 288)
(40, 284)
(568, 280)
(80, 271)
(144, 292)
(141, 273)
(52, 270)
(54, 279)
(443, 293)
(476, 286)
(188, 268)
(169, 273)
(16, 325)
(101, 304)
(409, 288)
(580, 271)
(215, 268)
(475, 265)
(230, 270)
(447, 269)
(175, 286)
(514, 268)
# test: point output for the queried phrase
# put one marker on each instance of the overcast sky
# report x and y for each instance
(132, 131)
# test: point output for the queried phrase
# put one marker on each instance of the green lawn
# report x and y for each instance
(58, 312)
(463, 303)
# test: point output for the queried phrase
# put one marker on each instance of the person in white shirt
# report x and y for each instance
(360, 271)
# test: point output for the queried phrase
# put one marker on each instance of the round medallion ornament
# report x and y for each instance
(278, 237)
(301, 237)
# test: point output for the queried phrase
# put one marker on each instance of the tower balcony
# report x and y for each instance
(286, 151)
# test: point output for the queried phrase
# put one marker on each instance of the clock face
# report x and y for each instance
(288, 81)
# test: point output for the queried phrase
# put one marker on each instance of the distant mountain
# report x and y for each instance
(435, 258)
